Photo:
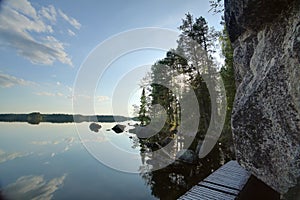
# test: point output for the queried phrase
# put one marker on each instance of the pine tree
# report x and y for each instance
(195, 43)
(144, 119)
(192, 59)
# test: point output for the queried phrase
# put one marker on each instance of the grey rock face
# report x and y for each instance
(266, 117)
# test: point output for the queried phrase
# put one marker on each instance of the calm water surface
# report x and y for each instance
(48, 161)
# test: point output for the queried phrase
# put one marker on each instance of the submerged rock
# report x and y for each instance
(186, 155)
(95, 127)
(165, 141)
(119, 128)
(266, 114)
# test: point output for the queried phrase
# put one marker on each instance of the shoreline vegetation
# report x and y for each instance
(36, 118)
(191, 71)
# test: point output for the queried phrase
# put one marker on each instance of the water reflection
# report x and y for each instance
(49, 160)
(174, 180)
(95, 127)
(5, 156)
(33, 187)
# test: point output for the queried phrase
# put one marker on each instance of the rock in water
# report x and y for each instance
(118, 128)
(266, 117)
(186, 155)
(95, 127)
(143, 132)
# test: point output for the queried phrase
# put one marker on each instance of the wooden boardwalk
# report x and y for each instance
(223, 184)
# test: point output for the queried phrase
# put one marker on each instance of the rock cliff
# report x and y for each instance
(266, 117)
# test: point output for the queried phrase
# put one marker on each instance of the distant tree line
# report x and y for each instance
(36, 118)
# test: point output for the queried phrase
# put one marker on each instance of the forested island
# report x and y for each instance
(36, 118)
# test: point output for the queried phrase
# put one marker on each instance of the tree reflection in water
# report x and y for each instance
(174, 180)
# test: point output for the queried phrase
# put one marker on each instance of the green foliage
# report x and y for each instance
(144, 119)
(216, 6)
(194, 31)
(193, 60)
(227, 73)
(195, 42)
(34, 118)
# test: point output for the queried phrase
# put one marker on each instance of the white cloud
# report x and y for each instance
(59, 94)
(87, 97)
(41, 142)
(7, 81)
(23, 6)
(4, 156)
(67, 148)
(33, 187)
(49, 13)
(22, 27)
(71, 33)
(67, 143)
(97, 139)
(102, 98)
(70, 89)
(70, 20)
(48, 94)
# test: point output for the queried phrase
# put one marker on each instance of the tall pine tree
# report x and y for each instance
(144, 119)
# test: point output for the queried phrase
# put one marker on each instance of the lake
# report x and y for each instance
(51, 161)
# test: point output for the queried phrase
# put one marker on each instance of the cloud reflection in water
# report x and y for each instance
(33, 187)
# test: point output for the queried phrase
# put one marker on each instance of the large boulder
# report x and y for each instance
(187, 156)
(119, 128)
(266, 117)
(95, 127)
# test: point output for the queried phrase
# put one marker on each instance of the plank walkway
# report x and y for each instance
(224, 184)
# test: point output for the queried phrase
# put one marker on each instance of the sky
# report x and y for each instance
(44, 44)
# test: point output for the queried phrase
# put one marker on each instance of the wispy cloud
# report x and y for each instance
(47, 94)
(102, 98)
(71, 33)
(41, 142)
(56, 89)
(97, 98)
(4, 156)
(70, 20)
(33, 187)
(67, 143)
(50, 94)
(7, 81)
(49, 13)
(30, 32)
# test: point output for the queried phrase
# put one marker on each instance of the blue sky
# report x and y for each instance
(44, 43)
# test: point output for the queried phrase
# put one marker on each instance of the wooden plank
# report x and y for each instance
(225, 183)
(201, 196)
(219, 184)
(229, 190)
(212, 194)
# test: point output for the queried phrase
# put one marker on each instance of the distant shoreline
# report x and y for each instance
(36, 118)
